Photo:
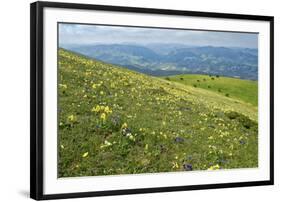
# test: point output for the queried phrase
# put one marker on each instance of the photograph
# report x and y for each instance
(147, 100)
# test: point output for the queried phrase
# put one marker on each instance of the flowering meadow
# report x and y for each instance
(114, 121)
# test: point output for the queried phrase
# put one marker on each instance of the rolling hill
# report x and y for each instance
(244, 90)
(170, 59)
(115, 121)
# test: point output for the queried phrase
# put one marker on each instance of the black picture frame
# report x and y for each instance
(36, 98)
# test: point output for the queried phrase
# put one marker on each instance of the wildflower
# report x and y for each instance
(175, 165)
(215, 167)
(103, 116)
(63, 86)
(124, 125)
(101, 92)
(71, 118)
(61, 146)
(85, 154)
(96, 108)
(106, 144)
(131, 137)
(146, 147)
(94, 86)
(179, 139)
(107, 110)
(187, 167)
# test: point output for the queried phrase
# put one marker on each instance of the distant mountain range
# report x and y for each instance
(171, 59)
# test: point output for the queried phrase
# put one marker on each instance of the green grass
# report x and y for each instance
(115, 121)
(244, 90)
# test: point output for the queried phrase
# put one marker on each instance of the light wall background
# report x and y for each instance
(14, 100)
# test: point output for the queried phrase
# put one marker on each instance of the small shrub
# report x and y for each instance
(227, 95)
(218, 76)
(219, 90)
(181, 78)
(167, 78)
(212, 78)
(232, 115)
(209, 86)
(194, 85)
(244, 120)
(198, 80)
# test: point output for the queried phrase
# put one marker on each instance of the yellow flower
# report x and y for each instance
(106, 144)
(94, 86)
(175, 165)
(107, 110)
(215, 167)
(72, 118)
(101, 92)
(96, 109)
(85, 154)
(61, 146)
(63, 86)
(146, 147)
(103, 116)
(124, 125)
(131, 137)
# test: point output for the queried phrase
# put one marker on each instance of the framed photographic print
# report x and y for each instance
(136, 100)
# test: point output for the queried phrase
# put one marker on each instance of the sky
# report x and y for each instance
(79, 34)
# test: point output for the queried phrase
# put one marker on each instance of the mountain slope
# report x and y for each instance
(244, 90)
(116, 121)
(171, 59)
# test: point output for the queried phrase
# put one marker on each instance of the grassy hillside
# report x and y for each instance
(116, 121)
(244, 90)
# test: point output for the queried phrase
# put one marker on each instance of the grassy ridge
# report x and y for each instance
(116, 121)
(244, 90)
